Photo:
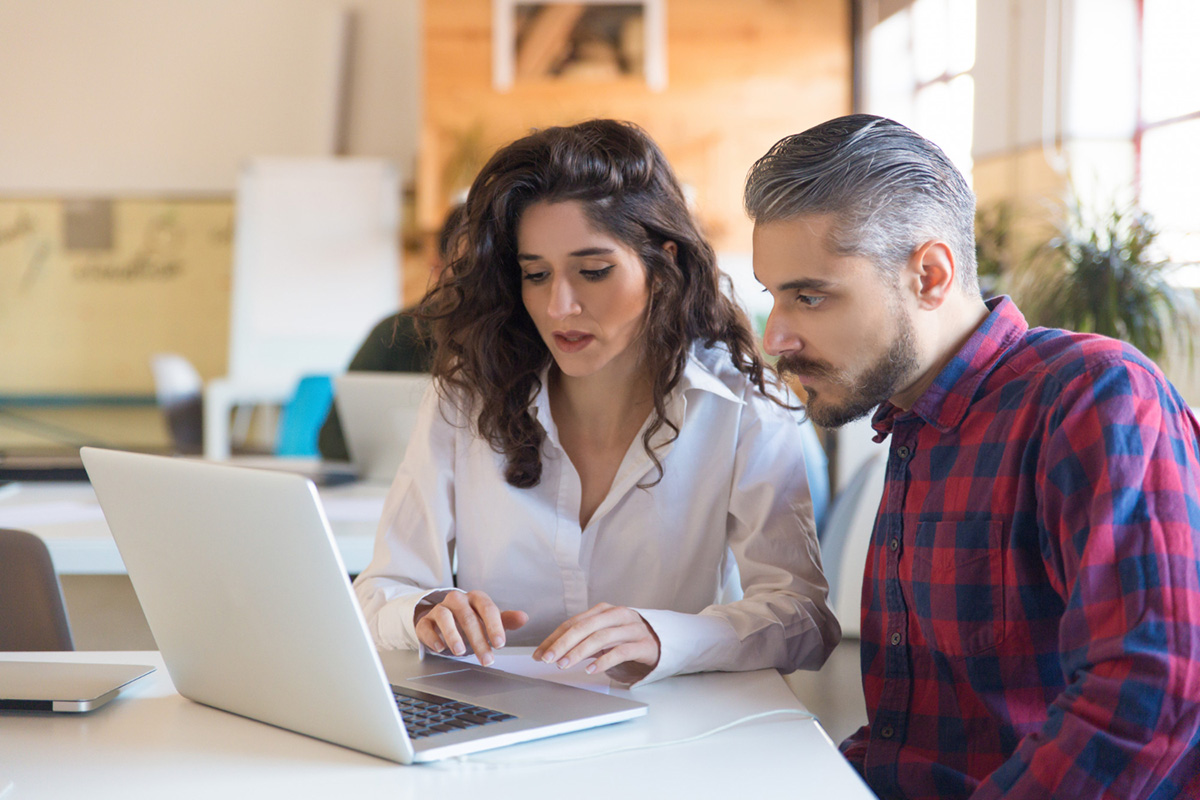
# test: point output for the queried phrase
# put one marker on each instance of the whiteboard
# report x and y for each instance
(316, 264)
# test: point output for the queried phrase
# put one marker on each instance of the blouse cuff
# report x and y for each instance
(687, 642)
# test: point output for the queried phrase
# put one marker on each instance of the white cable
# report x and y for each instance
(802, 715)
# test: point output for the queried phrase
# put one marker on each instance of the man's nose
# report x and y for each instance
(778, 337)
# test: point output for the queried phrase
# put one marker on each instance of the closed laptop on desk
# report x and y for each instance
(58, 686)
(248, 600)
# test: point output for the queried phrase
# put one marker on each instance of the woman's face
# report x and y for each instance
(585, 290)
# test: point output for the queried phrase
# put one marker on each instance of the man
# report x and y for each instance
(1031, 608)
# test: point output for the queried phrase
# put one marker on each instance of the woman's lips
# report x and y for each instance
(572, 341)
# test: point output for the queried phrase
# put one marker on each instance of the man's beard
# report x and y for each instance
(865, 392)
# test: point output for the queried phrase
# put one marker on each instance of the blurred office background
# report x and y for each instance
(125, 126)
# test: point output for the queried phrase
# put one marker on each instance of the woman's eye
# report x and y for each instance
(809, 300)
(534, 277)
(596, 274)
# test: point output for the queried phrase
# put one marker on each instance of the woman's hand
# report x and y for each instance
(623, 644)
(466, 622)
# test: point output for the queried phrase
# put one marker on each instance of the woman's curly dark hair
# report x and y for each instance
(488, 351)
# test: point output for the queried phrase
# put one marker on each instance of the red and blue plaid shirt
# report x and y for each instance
(1031, 608)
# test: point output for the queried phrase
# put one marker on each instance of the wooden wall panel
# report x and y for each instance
(741, 75)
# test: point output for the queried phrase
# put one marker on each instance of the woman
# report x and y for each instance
(601, 458)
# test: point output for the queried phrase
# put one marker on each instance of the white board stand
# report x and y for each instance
(316, 265)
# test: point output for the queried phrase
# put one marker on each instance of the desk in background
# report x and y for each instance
(102, 607)
(68, 518)
(53, 424)
(151, 742)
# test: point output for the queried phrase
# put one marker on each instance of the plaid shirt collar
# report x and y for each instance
(945, 403)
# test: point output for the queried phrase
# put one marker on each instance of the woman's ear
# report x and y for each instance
(671, 248)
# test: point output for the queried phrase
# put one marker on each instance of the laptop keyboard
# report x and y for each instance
(428, 714)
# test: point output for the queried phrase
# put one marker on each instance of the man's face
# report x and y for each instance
(838, 323)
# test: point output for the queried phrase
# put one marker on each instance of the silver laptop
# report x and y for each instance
(63, 686)
(247, 597)
(378, 411)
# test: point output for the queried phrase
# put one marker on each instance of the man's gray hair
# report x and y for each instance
(889, 190)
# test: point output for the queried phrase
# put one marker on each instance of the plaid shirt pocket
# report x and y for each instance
(958, 585)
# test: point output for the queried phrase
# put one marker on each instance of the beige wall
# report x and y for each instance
(153, 96)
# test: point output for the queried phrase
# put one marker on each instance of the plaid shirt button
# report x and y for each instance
(886, 731)
(903, 451)
(896, 638)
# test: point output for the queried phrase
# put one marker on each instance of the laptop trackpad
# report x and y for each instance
(469, 681)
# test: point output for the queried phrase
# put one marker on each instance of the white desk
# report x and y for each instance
(67, 517)
(151, 742)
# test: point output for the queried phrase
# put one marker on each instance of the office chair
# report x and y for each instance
(32, 613)
(301, 418)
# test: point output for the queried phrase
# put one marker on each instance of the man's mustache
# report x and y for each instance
(795, 365)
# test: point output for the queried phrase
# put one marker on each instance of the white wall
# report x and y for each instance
(154, 96)
(1047, 70)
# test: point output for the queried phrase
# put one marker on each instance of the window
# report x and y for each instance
(1166, 153)
(918, 61)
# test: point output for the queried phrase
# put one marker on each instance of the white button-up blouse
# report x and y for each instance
(732, 508)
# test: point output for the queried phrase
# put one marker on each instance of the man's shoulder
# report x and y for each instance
(1064, 357)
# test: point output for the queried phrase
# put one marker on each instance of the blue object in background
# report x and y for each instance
(301, 419)
(816, 464)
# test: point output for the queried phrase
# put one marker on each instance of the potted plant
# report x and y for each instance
(1107, 278)
(994, 244)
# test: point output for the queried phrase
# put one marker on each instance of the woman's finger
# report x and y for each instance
(489, 617)
(554, 645)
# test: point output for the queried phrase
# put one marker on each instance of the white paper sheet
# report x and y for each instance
(523, 664)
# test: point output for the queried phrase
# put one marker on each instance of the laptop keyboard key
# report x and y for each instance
(428, 714)
(474, 719)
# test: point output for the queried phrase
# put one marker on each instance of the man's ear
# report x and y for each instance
(931, 271)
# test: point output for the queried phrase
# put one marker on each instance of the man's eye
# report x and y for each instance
(809, 300)
(596, 274)
(534, 277)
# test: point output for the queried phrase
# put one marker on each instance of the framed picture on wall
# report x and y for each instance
(592, 40)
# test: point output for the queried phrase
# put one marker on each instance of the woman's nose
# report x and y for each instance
(563, 302)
